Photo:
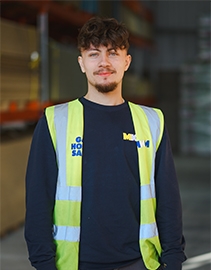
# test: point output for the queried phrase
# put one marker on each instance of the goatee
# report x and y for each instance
(106, 88)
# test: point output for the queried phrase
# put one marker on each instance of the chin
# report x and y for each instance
(106, 88)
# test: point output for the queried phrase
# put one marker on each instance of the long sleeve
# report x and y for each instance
(41, 177)
(169, 210)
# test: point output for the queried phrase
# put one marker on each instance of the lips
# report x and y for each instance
(104, 72)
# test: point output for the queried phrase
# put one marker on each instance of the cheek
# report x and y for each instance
(122, 68)
(89, 75)
(89, 67)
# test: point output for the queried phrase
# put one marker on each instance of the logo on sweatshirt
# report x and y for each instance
(132, 138)
(76, 147)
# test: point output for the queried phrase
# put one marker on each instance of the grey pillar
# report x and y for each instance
(44, 56)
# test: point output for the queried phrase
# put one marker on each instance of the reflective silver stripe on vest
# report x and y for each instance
(67, 193)
(65, 233)
(63, 191)
(153, 119)
(148, 191)
(60, 120)
(148, 231)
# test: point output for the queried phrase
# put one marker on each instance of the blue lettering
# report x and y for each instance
(147, 143)
(138, 144)
(74, 153)
(79, 153)
(78, 139)
(73, 146)
(79, 146)
(141, 144)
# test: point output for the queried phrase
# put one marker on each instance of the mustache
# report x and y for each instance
(104, 70)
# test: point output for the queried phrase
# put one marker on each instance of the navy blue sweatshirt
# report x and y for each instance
(110, 195)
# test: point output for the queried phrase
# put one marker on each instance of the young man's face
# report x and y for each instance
(104, 67)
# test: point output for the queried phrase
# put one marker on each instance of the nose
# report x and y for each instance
(104, 61)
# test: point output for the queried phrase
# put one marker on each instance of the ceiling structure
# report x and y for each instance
(64, 19)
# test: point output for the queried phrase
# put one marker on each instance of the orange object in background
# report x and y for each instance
(31, 112)
(13, 106)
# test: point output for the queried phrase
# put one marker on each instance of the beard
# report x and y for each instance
(106, 88)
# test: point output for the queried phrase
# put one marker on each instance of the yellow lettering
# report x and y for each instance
(127, 137)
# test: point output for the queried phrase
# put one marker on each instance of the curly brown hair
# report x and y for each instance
(103, 31)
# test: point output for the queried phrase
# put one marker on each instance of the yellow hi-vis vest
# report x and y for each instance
(66, 125)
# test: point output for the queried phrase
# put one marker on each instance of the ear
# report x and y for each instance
(127, 61)
(81, 64)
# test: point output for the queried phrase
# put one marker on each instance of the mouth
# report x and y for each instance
(104, 73)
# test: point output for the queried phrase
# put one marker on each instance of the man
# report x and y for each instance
(101, 187)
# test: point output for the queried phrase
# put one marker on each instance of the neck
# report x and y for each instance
(105, 99)
(111, 98)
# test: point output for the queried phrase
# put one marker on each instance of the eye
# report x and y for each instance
(113, 53)
(94, 54)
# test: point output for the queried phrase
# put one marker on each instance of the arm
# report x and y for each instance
(169, 210)
(41, 177)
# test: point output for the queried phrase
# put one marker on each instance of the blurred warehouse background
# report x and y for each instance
(171, 50)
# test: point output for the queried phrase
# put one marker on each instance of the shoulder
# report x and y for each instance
(61, 109)
(154, 118)
(153, 114)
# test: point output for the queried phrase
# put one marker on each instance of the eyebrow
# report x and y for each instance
(96, 49)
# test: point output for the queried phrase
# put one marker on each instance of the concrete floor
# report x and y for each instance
(194, 179)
